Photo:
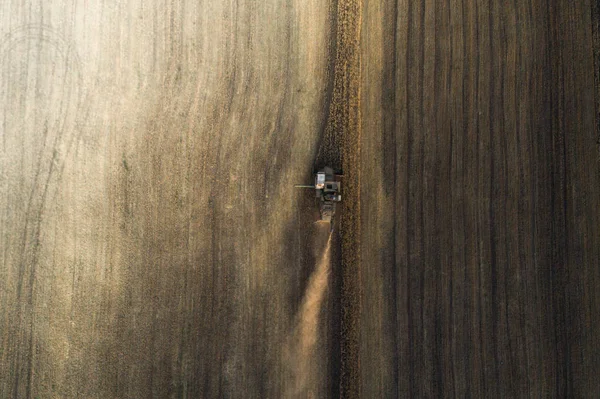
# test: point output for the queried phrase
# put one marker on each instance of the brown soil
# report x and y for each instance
(152, 244)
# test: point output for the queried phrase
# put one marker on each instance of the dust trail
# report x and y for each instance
(300, 349)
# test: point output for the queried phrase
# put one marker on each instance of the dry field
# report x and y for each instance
(480, 200)
(152, 243)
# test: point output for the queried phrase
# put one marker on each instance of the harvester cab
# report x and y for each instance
(327, 188)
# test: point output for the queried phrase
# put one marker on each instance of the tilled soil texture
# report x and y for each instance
(480, 200)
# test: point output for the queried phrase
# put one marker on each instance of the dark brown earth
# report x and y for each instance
(480, 200)
(152, 244)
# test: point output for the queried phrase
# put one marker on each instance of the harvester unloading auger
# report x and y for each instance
(327, 187)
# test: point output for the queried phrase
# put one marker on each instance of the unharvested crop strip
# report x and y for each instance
(343, 127)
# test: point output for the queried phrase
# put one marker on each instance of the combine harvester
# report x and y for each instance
(327, 187)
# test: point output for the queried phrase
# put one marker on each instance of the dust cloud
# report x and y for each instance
(300, 349)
